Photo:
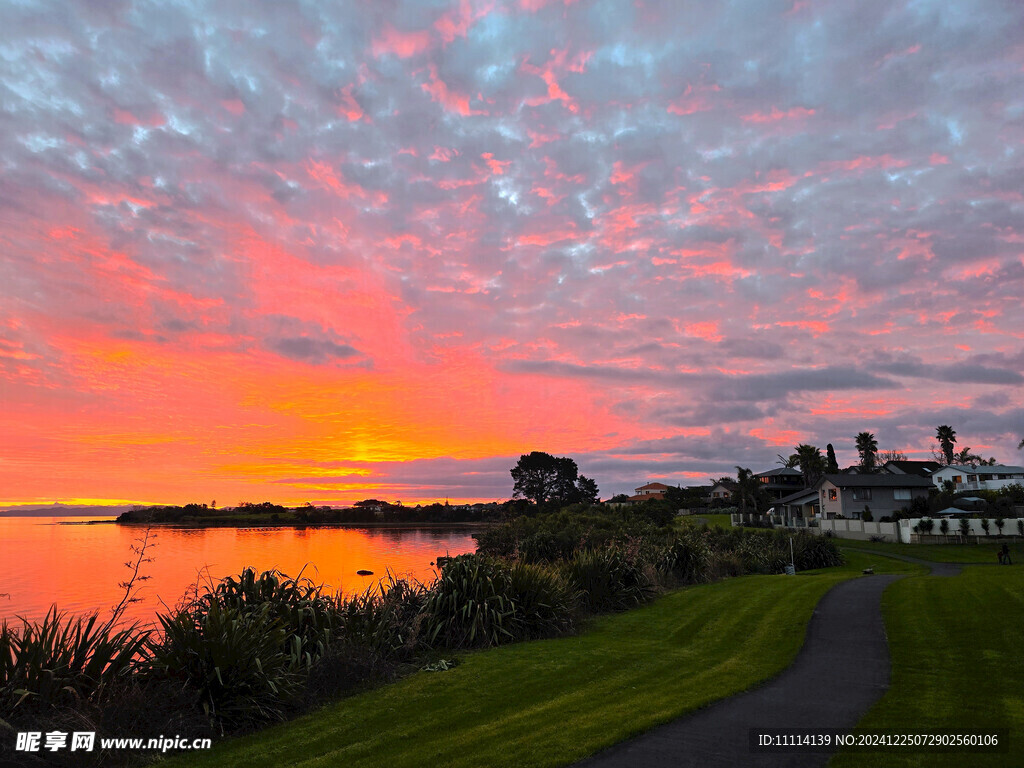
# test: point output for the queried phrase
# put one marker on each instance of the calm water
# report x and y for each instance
(78, 567)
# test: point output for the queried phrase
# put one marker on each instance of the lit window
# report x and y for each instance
(831, 494)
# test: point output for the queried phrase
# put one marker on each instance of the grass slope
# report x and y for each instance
(552, 702)
(955, 645)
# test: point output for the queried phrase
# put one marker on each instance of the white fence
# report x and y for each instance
(858, 529)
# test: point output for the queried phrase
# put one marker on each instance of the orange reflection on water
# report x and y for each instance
(79, 567)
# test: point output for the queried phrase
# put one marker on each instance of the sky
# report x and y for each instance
(307, 251)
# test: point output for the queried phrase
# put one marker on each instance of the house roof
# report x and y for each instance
(653, 487)
(995, 469)
(876, 481)
(780, 472)
(727, 484)
(948, 511)
(921, 468)
(800, 497)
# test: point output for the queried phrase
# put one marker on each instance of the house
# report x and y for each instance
(919, 468)
(978, 478)
(846, 496)
(803, 503)
(723, 489)
(649, 491)
(780, 482)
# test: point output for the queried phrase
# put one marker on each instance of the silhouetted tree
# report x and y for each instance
(946, 436)
(586, 490)
(541, 477)
(811, 463)
(967, 458)
(791, 463)
(886, 456)
(867, 447)
(747, 489)
(832, 466)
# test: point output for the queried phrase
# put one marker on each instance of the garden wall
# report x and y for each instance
(858, 529)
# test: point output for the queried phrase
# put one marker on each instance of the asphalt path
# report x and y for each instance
(841, 671)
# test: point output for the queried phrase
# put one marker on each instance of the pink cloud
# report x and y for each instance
(404, 45)
(451, 100)
(776, 115)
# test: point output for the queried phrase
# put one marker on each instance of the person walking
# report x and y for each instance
(1004, 556)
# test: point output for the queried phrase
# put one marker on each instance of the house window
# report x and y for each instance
(958, 478)
(901, 494)
(832, 494)
(862, 494)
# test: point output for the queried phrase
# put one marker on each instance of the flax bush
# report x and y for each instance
(607, 580)
(64, 659)
(469, 606)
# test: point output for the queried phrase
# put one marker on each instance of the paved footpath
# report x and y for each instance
(937, 569)
(841, 671)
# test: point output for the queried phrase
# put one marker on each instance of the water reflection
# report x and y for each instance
(79, 566)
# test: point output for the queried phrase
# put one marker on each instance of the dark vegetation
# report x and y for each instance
(267, 514)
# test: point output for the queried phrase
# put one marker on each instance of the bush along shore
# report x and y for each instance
(259, 648)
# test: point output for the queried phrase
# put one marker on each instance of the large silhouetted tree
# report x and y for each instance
(586, 490)
(542, 478)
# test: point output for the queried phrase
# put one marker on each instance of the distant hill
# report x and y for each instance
(64, 510)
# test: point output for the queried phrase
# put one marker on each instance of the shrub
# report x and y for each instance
(688, 558)
(307, 615)
(469, 605)
(544, 604)
(724, 564)
(233, 658)
(607, 580)
(64, 658)
(384, 620)
(810, 552)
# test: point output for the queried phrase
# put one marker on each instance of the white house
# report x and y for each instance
(978, 478)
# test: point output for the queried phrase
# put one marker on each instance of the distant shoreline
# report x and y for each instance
(284, 524)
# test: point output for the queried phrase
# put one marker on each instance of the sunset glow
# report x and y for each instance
(308, 252)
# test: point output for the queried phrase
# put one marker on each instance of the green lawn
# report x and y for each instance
(941, 553)
(712, 521)
(552, 702)
(957, 668)
(856, 562)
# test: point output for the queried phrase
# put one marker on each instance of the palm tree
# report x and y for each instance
(946, 437)
(747, 487)
(867, 447)
(965, 457)
(811, 463)
(792, 462)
